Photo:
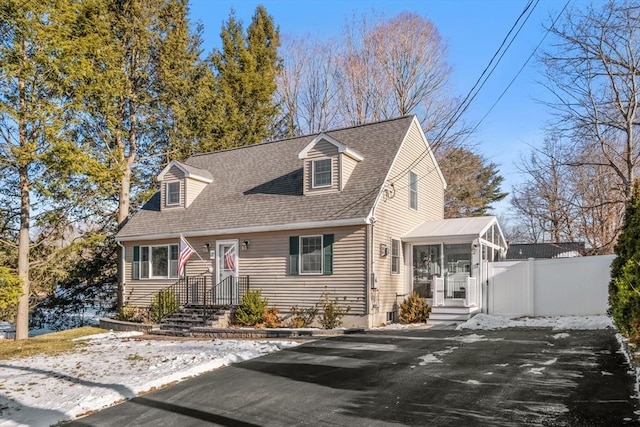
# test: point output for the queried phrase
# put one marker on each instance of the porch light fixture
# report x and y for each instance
(245, 245)
(205, 247)
(384, 250)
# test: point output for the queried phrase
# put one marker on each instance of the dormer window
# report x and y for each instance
(321, 173)
(173, 193)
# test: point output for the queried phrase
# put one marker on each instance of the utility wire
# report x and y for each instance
(519, 72)
(533, 52)
(486, 73)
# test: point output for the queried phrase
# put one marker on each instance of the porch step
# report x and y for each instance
(452, 314)
(181, 322)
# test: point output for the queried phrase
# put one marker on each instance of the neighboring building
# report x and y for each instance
(545, 250)
(334, 212)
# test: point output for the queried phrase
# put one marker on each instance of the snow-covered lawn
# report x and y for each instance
(43, 390)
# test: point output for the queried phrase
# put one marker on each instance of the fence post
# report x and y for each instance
(531, 276)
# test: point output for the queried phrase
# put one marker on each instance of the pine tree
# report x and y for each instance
(43, 167)
(245, 70)
(473, 184)
(184, 86)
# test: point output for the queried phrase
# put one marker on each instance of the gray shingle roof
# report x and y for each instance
(545, 250)
(261, 185)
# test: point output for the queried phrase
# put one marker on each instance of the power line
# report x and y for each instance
(511, 82)
(486, 73)
(533, 52)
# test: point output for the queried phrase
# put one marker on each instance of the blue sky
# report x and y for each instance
(472, 29)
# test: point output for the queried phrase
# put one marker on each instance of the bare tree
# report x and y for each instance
(546, 202)
(307, 85)
(593, 71)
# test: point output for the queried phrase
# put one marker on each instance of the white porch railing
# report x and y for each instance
(438, 295)
(472, 292)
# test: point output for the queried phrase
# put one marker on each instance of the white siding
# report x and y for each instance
(395, 218)
(322, 150)
(174, 174)
(193, 189)
(266, 263)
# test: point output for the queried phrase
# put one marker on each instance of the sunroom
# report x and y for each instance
(449, 257)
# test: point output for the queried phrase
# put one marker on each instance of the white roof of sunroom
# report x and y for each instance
(452, 229)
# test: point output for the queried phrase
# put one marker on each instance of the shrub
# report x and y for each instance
(129, 313)
(250, 312)
(414, 309)
(163, 304)
(331, 314)
(271, 317)
(302, 317)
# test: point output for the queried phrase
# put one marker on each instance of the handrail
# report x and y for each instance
(196, 291)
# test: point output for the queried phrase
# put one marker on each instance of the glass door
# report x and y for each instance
(426, 266)
(226, 291)
(457, 264)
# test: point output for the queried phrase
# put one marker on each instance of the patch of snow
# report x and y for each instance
(44, 390)
(429, 358)
(560, 336)
(396, 326)
(536, 371)
(550, 362)
(473, 382)
(470, 338)
(605, 373)
(489, 322)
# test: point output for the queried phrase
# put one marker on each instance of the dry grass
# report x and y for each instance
(48, 344)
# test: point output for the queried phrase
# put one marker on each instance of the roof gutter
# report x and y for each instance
(244, 230)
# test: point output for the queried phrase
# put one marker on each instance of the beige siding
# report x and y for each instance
(347, 165)
(193, 189)
(174, 174)
(395, 218)
(321, 150)
(266, 263)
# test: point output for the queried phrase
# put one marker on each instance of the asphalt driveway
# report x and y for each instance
(415, 377)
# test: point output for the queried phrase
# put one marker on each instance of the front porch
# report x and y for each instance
(197, 302)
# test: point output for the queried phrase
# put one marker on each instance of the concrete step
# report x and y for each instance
(452, 314)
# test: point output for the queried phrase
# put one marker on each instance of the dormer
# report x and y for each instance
(328, 164)
(180, 184)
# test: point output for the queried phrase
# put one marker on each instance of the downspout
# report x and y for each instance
(121, 275)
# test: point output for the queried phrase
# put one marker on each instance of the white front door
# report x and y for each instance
(226, 291)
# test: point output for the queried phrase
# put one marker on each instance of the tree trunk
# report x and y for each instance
(22, 315)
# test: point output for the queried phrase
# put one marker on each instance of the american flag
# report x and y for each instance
(230, 258)
(186, 251)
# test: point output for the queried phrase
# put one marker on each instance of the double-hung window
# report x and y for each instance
(413, 190)
(311, 254)
(173, 193)
(395, 256)
(321, 173)
(155, 262)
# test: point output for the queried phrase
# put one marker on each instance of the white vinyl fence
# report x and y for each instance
(549, 287)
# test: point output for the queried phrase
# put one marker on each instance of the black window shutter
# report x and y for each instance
(327, 252)
(136, 263)
(294, 243)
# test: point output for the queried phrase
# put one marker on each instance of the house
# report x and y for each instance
(339, 212)
(545, 250)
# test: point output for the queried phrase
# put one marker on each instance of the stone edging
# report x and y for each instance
(203, 332)
(268, 332)
(121, 326)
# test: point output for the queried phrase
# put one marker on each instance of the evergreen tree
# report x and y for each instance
(624, 288)
(473, 184)
(245, 70)
(43, 191)
(184, 86)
